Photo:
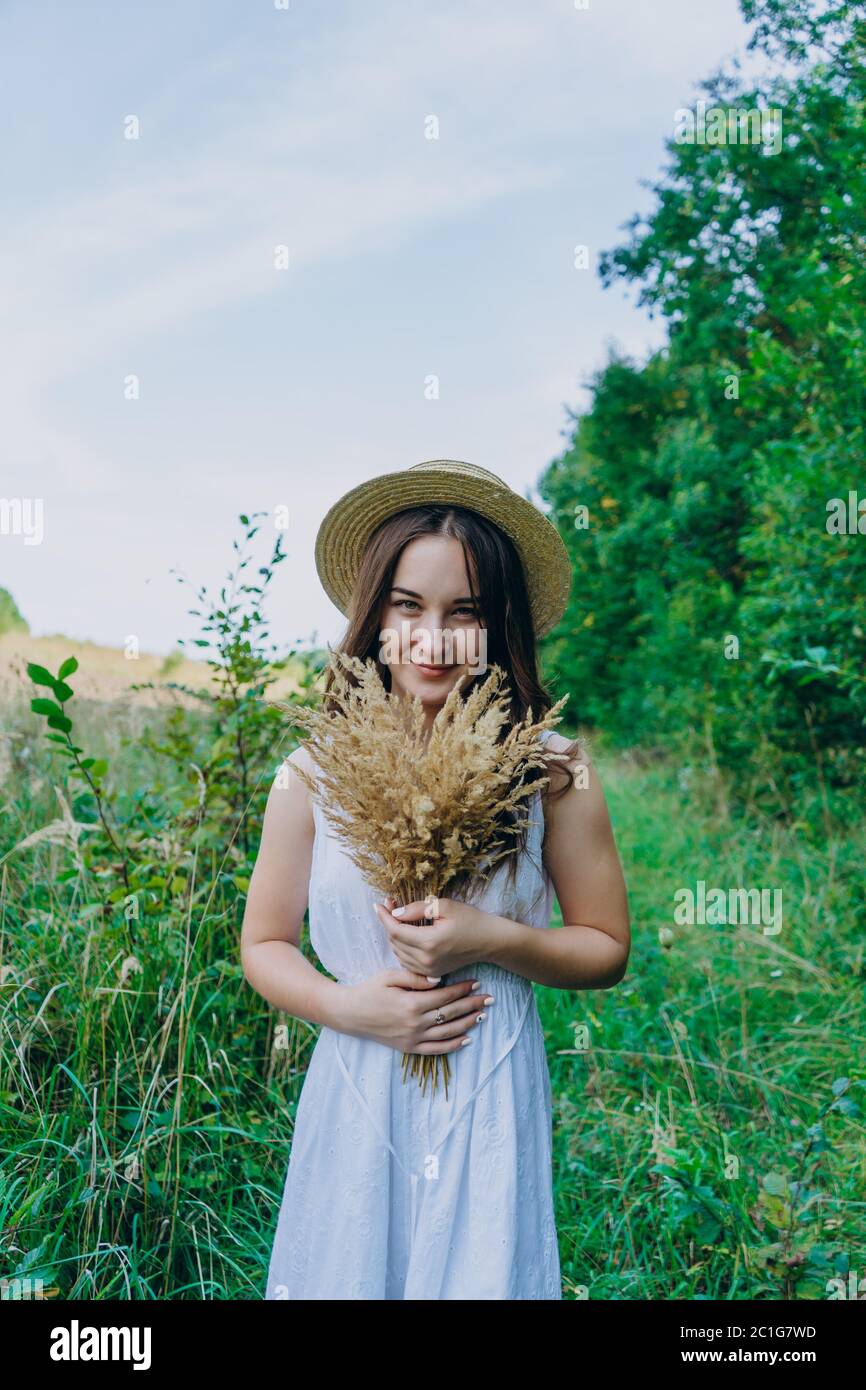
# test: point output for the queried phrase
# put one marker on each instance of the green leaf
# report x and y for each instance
(39, 675)
(59, 721)
(69, 666)
(40, 706)
(777, 1212)
(776, 1183)
(63, 691)
(847, 1107)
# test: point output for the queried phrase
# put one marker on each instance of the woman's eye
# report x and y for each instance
(410, 603)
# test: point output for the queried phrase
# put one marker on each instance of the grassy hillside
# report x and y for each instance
(107, 673)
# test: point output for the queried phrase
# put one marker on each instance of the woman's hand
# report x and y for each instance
(461, 935)
(401, 1011)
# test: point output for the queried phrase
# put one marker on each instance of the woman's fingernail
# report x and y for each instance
(477, 985)
(466, 1042)
(434, 980)
(398, 911)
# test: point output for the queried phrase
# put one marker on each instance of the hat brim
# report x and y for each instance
(346, 528)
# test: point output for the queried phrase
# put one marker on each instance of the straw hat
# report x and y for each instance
(345, 530)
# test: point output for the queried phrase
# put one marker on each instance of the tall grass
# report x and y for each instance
(708, 1124)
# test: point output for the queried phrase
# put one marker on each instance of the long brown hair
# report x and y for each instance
(498, 586)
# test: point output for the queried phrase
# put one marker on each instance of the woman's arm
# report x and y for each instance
(394, 1007)
(591, 950)
(277, 899)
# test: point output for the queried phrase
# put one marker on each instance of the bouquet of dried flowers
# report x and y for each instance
(418, 816)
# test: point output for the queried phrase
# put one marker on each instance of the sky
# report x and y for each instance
(161, 371)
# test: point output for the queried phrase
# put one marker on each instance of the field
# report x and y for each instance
(707, 1143)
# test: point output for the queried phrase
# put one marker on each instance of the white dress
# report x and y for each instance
(391, 1194)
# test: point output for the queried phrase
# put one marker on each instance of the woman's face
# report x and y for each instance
(429, 620)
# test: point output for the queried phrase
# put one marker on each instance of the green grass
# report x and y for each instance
(146, 1112)
(701, 1150)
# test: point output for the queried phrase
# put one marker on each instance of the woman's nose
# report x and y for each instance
(424, 639)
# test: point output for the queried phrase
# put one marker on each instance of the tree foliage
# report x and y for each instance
(709, 473)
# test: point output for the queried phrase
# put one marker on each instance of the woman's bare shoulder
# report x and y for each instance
(569, 776)
(302, 758)
(300, 791)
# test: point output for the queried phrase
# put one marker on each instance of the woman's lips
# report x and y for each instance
(431, 670)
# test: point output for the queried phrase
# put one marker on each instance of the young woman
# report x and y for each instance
(391, 1192)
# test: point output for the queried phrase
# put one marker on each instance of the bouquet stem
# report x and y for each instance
(426, 1069)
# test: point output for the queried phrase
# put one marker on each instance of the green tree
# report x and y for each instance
(708, 471)
(11, 619)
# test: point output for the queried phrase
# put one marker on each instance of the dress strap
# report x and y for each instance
(364, 1106)
(501, 1058)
